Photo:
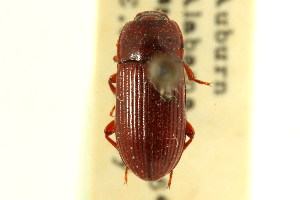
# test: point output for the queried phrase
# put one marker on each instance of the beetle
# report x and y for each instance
(150, 115)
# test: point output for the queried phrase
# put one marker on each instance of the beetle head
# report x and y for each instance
(151, 15)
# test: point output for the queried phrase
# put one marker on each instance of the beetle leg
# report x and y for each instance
(116, 59)
(126, 173)
(170, 179)
(110, 129)
(189, 131)
(191, 75)
(112, 111)
(112, 79)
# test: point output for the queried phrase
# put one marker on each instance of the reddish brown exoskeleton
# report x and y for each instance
(150, 117)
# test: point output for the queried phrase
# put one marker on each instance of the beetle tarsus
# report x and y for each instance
(170, 179)
(189, 131)
(126, 175)
(191, 76)
(203, 82)
(109, 130)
